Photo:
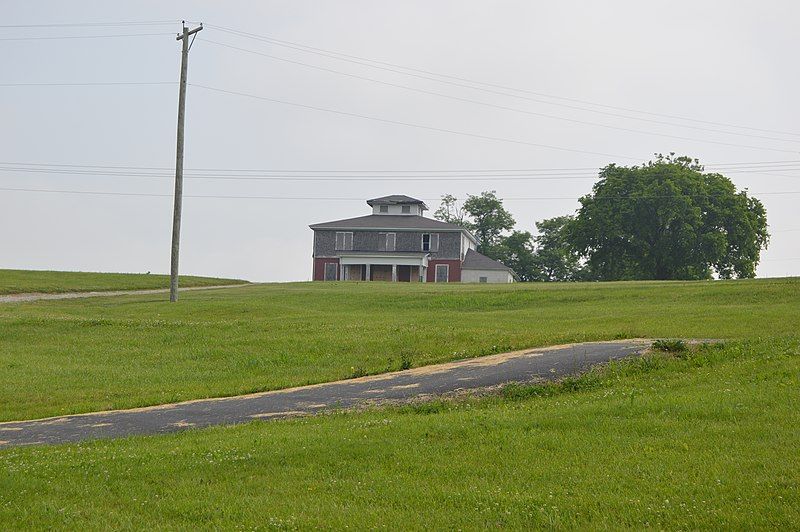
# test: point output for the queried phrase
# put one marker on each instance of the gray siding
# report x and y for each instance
(325, 243)
(449, 242)
(449, 246)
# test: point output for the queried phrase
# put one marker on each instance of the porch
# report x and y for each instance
(392, 267)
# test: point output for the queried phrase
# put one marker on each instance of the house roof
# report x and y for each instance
(477, 261)
(389, 222)
(396, 199)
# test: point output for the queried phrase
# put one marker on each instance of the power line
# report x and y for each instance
(750, 164)
(114, 36)
(733, 166)
(337, 177)
(88, 83)
(328, 198)
(94, 24)
(372, 171)
(409, 124)
(367, 62)
(523, 111)
(315, 177)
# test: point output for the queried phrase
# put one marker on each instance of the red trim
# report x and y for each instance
(454, 275)
(319, 268)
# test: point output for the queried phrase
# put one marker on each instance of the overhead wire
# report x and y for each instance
(235, 175)
(329, 198)
(408, 124)
(87, 83)
(733, 166)
(93, 24)
(60, 37)
(506, 108)
(372, 63)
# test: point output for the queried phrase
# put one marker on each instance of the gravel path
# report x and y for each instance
(21, 298)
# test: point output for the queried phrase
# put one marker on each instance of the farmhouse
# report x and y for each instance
(398, 243)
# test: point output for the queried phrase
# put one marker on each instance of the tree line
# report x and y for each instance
(666, 219)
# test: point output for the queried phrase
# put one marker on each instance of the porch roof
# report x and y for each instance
(404, 258)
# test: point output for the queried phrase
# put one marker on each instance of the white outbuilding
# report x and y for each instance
(478, 268)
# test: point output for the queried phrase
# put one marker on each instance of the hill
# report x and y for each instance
(706, 440)
(41, 281)
(694, 439)
(72, 356)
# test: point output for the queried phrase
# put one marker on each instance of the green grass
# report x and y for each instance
(700, 440)
(59, 357)
(38, 281)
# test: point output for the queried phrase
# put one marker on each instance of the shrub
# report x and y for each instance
(670, 346)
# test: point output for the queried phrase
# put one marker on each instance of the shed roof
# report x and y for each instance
(477, 261)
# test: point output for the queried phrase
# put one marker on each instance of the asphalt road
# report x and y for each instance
(419, 383)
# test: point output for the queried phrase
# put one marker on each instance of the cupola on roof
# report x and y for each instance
(396, 199)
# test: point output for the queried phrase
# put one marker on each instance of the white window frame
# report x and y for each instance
(433, 242)
(436, 273)
(405, 209)
(391, 241)
(383, 208)
(344, 245)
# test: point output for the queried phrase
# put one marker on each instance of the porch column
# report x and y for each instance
(367, 272)
(341, 272)
(394, 273)
(424, 270)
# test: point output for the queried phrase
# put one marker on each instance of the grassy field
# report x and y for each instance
(32, 281)
(59, 357)
(707, 440)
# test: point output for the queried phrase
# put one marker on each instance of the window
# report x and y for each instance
(483, 279)
(384, 208)
(344, 241)
(430, 242)
(330, 271)
(406, 209)
(386, 241)
(442, 273)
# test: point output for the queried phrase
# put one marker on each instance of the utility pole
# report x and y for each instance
(176, 213)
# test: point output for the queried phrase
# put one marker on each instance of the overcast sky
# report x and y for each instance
(731, 63)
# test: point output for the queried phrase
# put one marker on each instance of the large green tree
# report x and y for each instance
(516, 252)
(450, 212)
(668, 219)
(555, 258)
(489, 221)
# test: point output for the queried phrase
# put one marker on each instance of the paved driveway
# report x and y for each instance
(466, 375)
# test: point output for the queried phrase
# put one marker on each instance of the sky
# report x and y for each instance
(551, 90)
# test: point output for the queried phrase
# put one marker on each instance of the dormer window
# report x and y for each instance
(384, 208)
(406, 209)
